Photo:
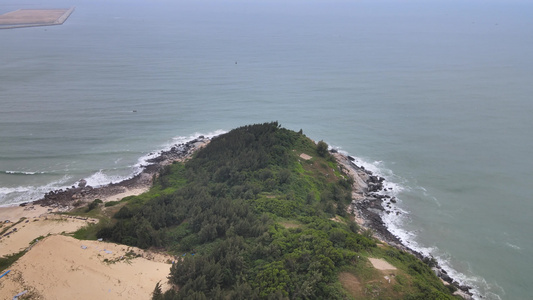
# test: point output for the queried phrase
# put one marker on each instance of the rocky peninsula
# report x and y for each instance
(367, 207)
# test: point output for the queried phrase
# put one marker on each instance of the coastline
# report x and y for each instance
(64, 200)
(53, 258)
(369, 204)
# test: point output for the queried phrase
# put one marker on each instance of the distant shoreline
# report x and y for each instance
(34, 18)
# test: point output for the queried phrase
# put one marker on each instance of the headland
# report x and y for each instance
(367, 207)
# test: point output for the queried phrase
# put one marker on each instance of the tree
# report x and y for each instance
(322, 149)
(157, 294)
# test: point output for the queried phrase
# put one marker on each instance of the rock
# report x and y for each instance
(446, 278)
(463, 288)
(82, 183)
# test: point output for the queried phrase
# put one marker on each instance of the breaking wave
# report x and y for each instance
(396, 216)
(12, 195)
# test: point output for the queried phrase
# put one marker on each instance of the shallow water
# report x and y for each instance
(434, 96)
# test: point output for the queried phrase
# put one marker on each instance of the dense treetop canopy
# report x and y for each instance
(248, 218)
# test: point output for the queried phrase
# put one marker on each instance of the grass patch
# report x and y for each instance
(289, 223)
(39, 238)
(90, 231)
(8, 260)
(8, 226)
(111, 203)
(351, 284)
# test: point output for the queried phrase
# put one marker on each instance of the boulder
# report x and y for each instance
(82, 183)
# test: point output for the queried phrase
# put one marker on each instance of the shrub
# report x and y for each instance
(94, 204)
(322, 149)
(111, 203)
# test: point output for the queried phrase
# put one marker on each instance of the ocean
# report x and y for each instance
(433, 95)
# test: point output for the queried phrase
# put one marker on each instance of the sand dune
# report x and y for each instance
(30, 229)
(61, 267)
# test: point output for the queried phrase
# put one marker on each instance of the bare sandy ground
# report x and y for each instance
(305, 156)
(126, 193)
(28, 230)
(381, 264)
(14, 213)
(41, 221)
(61, 267)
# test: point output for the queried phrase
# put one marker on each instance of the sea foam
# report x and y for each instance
(397, 215)
(16, 195)
(178, 140)
(22, 172)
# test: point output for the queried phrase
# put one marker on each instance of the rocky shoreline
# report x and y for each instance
(370, 203)
(65, 199)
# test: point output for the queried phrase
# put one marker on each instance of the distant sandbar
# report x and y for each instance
(34, 17)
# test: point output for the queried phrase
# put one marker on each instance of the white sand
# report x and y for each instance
(59, 268)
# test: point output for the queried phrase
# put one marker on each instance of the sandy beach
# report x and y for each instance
(58, 266)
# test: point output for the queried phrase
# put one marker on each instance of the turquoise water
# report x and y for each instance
(434, 96)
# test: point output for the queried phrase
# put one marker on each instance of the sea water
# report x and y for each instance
(433, 95)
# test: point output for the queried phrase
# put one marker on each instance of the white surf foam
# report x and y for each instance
(513, 246)
(178, 140)
(102, 177)
(396, 216)
(15, 195)
(22, 172)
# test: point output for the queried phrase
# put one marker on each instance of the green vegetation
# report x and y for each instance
(94, 204)
(250, 219)
(8, 260)
(322, 149)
